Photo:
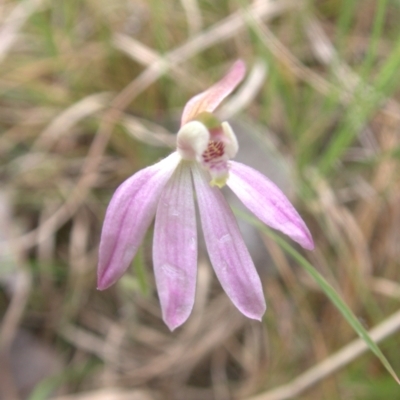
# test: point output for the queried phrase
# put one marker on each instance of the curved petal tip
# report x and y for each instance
(106, 279)
(174, 322)
(210, 99)
(308, 242)
(268, 203)
(254, 311)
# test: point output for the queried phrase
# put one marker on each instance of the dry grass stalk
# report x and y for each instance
(193, 16)
(14, 22)
(333, 363)
(217, 354)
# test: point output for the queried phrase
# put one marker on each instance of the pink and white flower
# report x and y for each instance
(200, 165)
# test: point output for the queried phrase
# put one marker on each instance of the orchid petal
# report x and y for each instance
(128, 216)
(210, 99)
(267, 202)
(228, 253)
(175, 248)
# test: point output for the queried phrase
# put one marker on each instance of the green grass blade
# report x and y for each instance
(365, 103)
(345, 21)
(376, 34)
(329, 291)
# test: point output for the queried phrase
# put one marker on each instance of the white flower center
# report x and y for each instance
(211, 146)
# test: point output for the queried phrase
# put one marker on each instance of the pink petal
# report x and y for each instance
(266, 201)
(128, 216)
(175, 248)
(228, 253)
(210, 99)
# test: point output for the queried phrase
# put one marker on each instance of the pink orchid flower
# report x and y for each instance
(201, 163)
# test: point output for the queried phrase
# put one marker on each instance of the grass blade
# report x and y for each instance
(329, 291)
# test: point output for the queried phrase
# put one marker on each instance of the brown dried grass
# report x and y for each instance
(78, 116)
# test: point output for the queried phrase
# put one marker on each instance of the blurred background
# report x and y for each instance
(91, 91)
